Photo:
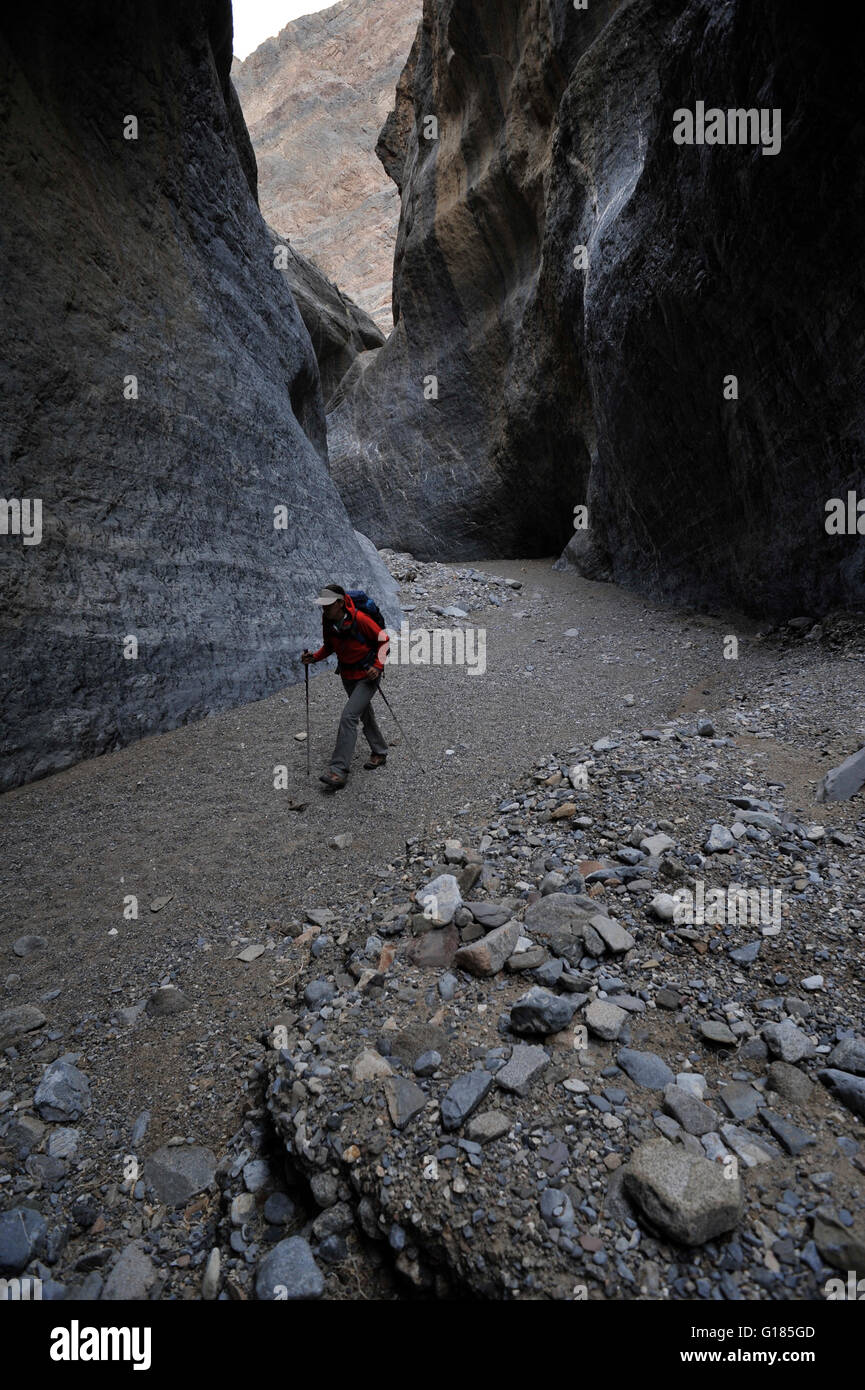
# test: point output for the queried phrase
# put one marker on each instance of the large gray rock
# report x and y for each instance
(840, 1246)
(175, 1173)
(787, 1041)
(21, 1018)
(850, 1090)
(132, 1275)
(289, 1273)
(404, 1100)
(487, 956)
(463, 1098)
(689, 1112)
(558, 921)
(23, 1234)
(523, 1066)
(63, 1093)
(542, 1012)
(158, 511)
(439, 899)
(848, 1055)
(685, 1198)
(645, 1068)
(605, 1019)
(844, 781)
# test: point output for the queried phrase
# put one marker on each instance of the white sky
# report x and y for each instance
(257, 20)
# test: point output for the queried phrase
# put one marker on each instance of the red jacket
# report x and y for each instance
(353, 651)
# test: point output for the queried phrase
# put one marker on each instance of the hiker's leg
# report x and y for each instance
(347, 735)
(372, 732)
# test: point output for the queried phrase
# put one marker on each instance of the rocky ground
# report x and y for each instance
(302, 1071)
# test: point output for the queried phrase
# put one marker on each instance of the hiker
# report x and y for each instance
(353, 635)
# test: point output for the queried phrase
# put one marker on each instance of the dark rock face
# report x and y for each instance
(339, 329)
(148, 258)
(604, 386)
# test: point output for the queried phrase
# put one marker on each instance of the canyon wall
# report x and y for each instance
(160, 393)
(524, 378)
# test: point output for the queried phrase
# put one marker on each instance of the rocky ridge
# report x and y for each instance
(314, 98)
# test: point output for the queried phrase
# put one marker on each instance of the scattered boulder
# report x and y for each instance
(22, 1018)
(850, 1090)
(464, 1097)
(605, 1019)
(693, 1116)
(132, 1275)
(841, 1246)
(524, 1065)
(790, 1083)
(23, 1234)
(440, 899)
(487, 956)
(540, 1011)
(289, 1273)
(844, 781)
(848, 1055)
(63, 1093)
(166, 1001)
(175, 1173)
(645, 1068)
(686, 1198)
(787, 1041)
(26, 945)
(404, 1100)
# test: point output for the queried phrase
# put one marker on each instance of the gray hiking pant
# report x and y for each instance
(357, 710)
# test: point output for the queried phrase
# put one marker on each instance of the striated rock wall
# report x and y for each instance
(561, 384)
(147, 259)
(339, 329)
(315, 98)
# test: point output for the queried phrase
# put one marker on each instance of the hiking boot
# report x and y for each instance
(332, 782)
(376, 760)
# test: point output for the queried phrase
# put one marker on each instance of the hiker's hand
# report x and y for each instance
(373, 676)
(307, 658)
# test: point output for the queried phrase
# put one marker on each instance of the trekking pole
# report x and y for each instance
(402, 730)
(306, 673)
